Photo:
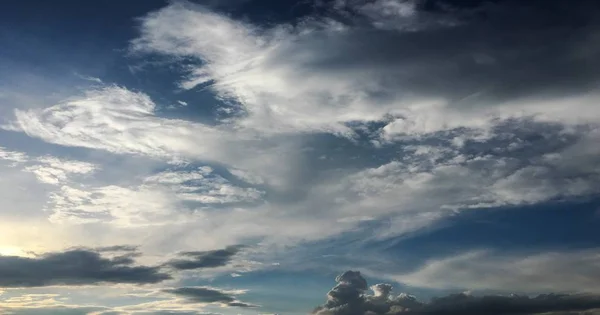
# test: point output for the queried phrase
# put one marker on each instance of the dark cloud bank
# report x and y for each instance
(204, 259)
(75, 267)
(207, 295)
(349, 297)
(88, 266)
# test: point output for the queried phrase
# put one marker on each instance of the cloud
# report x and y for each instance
(51, 170)
(204, 186)
(119, 121)
(205, 259)
(156, 199)
(12, 156)
(208, 295)
(29, 304)
(488, 270)
(74, 267)
(321, 75)
(349, 297)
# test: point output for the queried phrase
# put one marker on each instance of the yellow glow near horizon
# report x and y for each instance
(12, 251)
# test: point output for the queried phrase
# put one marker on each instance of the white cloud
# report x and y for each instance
(244, 63)
(315, 77)
(120, 121)
(318, 76)
(570, 271)
(12, 156)
(427, 183)
(55, 171)
(202, 185)
(157, 200)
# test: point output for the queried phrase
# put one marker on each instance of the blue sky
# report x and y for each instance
(274, 157)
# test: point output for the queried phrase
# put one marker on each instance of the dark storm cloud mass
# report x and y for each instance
(349, 297)
(501, 50)
(74, 267)
(207, 295)
(204, 259)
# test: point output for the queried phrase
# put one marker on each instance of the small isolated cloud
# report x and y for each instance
(209, 295)
(204, 259)
(349, 297)
(12, 156)
(74, 267)
(51, 170)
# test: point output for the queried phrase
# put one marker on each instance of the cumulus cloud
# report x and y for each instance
(74, 267)
(204, 259)
(349, 297)
(209, 295)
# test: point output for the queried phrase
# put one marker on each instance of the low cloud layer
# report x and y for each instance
(204, 259)
(74, 267)
(349, 297)
(83, 266)
(208, 295)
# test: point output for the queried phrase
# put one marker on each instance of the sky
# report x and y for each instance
(323, 157)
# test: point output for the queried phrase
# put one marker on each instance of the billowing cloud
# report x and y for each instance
(204, 259)
(349, 297)
(74, 267)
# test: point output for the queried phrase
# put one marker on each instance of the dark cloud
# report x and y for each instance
(207, 295)
(117, 248)
(495, 51)
(204, 259)
(349, 297)
(74, 267)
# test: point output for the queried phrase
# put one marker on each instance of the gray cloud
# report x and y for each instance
(501, 51)
(207, 295)
(349, 297)
(117, 248)
(204, 259)
(74, 267)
